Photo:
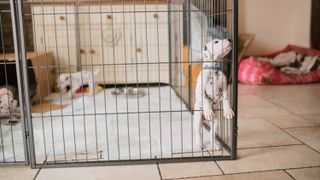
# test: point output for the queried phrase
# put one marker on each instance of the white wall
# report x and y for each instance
(275, 23)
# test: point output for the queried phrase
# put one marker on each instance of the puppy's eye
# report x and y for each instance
(67, 78)
(216, 41)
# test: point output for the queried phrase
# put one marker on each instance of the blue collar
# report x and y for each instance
(217, 68)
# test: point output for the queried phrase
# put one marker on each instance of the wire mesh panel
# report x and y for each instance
(13, 146)
(117, 80)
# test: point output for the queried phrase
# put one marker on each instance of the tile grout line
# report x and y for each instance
(316, 126)
(159, 171)
(283, 129)
(35, 177)
(262, 171)
(215, 162)
(285, 171)
(275, 146)
(301, 142)
(219, 168)
(287, 110)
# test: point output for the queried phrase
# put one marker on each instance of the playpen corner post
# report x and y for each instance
(235, 78)
(20, 85)
(169, 40)
(30, 139)
(22, 78)
(189, 54)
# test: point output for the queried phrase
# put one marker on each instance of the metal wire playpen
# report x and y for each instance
(105, 82)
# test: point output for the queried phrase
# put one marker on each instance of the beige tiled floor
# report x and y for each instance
(305, 173)
(279, 138)
(260, 133)
(137, 172)
(309, 136)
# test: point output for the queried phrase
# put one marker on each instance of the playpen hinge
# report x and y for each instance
(27, 133)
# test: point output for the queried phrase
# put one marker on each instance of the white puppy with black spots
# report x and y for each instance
(211, 89)
(7, 100)
(71, 82)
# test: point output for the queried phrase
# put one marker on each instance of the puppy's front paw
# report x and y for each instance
(207, 111)
(228, 113)
(199, 147)
(217, 147)
(208, 114)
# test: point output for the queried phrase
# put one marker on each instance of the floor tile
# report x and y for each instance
(305, 173)
(272, 175)
(96, 173)
(315, 118)
(274, 158)
(289, 121)
(288, 91)
(260, 133)
(192, 169)
(252, 101)
(298, 105)
(245, 89)
(17, 173)
(260, 112)
(310, 136)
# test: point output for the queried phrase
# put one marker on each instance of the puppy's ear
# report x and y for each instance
(205, 48)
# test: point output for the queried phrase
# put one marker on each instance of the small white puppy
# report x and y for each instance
(73, 81)
(7, 101)
(211, 89)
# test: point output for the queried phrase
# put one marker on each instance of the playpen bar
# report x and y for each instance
(222, 121)
(159, 75)
(27, 109)
(60, 98)
(114, 113)
(4, 57)
(47, 79)
(79, 66)
(122, 64)
(115, 80)
(2, 147)
(69, 71)
(126, 80)
(235, 78)
(39, 89)
(94, 88)
(125, 12)
(148, 78)
(170, 72)
(103, 71)
(104, 92)
(137, 74)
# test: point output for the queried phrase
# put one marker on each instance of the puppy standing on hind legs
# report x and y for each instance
(211, 89)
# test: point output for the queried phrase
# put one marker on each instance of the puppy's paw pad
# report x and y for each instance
(228, 113)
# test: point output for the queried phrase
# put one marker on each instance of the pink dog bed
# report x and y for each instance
(252, 71)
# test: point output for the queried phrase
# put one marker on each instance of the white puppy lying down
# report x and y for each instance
(211, 89)
(74, 81)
